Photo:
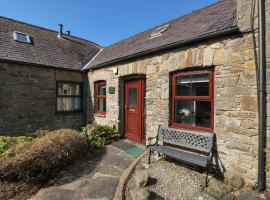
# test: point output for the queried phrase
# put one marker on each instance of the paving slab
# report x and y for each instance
(112, 170)
(103, 187)
(123, 145)
(95, 178)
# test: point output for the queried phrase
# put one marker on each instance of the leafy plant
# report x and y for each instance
(7, 153)
(5, 143)
(85, 132)
(100, 135)
(23, 140)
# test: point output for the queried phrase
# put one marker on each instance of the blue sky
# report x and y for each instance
(101, 21)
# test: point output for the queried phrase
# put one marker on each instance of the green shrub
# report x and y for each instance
(99, 135)
(5, 143)
(39, 160)
(85, 132)
(9, 145)
(23, 140)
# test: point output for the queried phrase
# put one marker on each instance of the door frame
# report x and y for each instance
(130, 79)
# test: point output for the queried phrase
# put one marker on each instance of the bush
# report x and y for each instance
(39, 160)
(99, 135)
(5, 143)
(9, 145)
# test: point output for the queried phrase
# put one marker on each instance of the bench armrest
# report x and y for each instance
(149, 139)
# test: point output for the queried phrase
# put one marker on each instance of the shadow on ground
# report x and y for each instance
(94, 177)
(81, 168)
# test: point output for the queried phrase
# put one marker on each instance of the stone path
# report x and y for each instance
(95, 178)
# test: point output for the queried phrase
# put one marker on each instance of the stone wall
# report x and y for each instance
(235, 95)
(244, 22)
(28, 99)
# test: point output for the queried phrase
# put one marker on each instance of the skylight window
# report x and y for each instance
(159, 30)
(21, 37)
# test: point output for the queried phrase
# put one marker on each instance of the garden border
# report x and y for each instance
(119, 194)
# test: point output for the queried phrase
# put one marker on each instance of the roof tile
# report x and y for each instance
(218, 17)
(46, 49)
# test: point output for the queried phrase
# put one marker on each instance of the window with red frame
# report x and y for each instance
(192, 100)
(100, 90)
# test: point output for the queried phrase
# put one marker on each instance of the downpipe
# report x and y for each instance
(262, 99)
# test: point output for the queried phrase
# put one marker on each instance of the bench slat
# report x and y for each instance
(190, 139)
(181, 155)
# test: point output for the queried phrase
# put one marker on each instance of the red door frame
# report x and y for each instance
(141, 94)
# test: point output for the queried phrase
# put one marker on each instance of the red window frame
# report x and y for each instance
(209, 98)
(97, 97)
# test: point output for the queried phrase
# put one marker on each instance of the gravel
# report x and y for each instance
(170, 181)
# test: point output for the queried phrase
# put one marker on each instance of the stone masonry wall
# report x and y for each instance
(244, 22)
(28, 99)
(235, 96)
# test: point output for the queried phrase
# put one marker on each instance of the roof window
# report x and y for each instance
(159, 30)
(21, 37)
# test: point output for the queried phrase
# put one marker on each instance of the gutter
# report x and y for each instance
(262, 99)
(167, 47)
(40, 65)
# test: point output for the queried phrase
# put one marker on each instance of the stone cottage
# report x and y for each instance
(41, 78)
(196, 72)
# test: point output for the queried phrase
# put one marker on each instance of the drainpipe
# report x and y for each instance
(262, 99)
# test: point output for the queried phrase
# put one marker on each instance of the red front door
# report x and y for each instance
(134, 110)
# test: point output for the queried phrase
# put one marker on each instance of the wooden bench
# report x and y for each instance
(188, 146)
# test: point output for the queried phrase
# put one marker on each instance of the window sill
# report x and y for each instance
(100, 115)
(193, 128)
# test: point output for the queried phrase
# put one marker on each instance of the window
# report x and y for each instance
(100, 100)
(69, 97)
(192, 100)
(159, 30)
(21, 37)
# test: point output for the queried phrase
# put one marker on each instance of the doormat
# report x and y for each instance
(135, 151)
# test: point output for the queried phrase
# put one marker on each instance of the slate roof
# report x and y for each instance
(46, 49)
(216, 18)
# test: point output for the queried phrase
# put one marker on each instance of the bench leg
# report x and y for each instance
(206, 178)
(149, 158)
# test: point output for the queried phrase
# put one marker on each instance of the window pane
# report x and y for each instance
(183, 85)
(203, 113)
(200, 85)
(102, 90)
(195, 113)
(68, 104)
(102, 105)
(132, 95)
(69, 89)
(184, 112)
(192, 85)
